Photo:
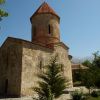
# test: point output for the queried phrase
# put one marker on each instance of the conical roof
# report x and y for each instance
(43, 9)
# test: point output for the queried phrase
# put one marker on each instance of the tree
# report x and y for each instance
(87, 63)
(2, 1)
(88, 79)
(96, 68)
(91, 77)
(3, 13)
(96, 61)
(53, 83)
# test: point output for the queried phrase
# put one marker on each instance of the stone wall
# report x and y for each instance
(33, 55)
(20, 63)
(10, 67)
(3, 64)
(40, 29)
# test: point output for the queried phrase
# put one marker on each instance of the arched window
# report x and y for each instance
(50, 29)
(40, 59)
(6, 86)
(40, 64)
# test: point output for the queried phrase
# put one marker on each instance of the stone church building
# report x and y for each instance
(20, 60)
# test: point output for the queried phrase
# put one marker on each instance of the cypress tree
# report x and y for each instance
(53, 83)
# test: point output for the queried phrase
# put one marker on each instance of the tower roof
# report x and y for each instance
(45, 9)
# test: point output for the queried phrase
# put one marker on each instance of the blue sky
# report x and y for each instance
(79, 25)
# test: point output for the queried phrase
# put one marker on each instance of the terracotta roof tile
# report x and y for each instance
(45, 8)
(78, 66)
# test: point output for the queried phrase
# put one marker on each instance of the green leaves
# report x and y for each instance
(87, 63)
(2, 1)
(2, 12)
(91, 77)
(53, 83)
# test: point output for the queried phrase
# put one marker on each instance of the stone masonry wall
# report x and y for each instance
(32, 55)
(20, 63)
(3, 64)
(40, 29)
(10, 68)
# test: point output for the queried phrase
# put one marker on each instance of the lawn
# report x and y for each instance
(92, 98)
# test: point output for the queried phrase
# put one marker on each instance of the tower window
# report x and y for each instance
(50, 29)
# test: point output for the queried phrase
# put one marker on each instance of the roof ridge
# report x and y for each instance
(45, 8)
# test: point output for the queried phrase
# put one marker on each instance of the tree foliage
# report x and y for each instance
(88, 79)
(87, 63)
(3, 13)
(91, 77)
(53, 83)
(96, 69)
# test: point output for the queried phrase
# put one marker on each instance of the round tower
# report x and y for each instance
(45, 26)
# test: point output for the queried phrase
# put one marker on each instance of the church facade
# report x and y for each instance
(21, 60)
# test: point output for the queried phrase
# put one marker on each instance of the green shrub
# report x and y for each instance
(94, 94)
(77, 96)
(98, 93)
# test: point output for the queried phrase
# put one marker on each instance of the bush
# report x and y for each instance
(99, 93)
(77, 96)
(94, 94)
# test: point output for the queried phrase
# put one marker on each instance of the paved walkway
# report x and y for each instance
(22, 98)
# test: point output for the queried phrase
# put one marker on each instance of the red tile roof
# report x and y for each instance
(45, 8)
(78, 66)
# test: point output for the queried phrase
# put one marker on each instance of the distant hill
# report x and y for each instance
(77, 60)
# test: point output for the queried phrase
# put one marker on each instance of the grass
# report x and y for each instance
(92, 98)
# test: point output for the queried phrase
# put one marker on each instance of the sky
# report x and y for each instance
(79, 23)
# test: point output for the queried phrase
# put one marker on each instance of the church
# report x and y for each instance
(20, 60)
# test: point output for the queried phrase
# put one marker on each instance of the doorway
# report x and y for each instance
(6, 87)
